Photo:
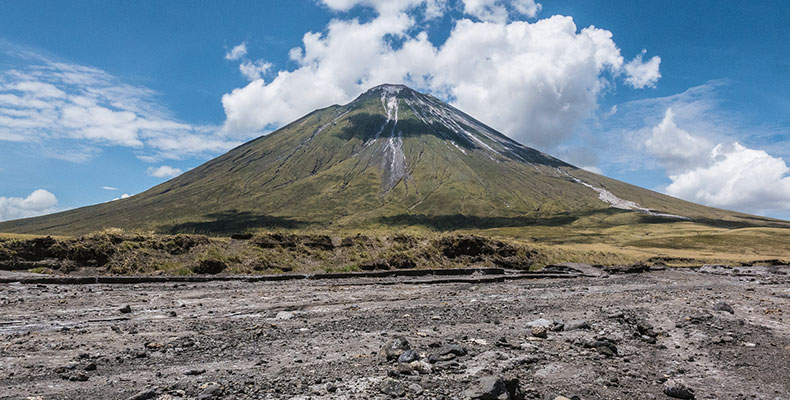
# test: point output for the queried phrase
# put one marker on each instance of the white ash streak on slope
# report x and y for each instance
(428, 123)
(616, 202)
(394, 159)
(441, 116)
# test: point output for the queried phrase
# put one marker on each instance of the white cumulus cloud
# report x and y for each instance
(164, 171)
(736, 177)
(431, 8)
(533, 81)
(676, 148)
(642, 74)
(253, 70)
(715, 171)
(37, 203)
(237, 52)
(497, 10)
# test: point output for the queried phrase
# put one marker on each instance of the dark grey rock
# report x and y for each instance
(125, 309)
(677, 389)
(452, 349)
(145, 394)
(392, 387)
(211, 392)
(408, 356)
(722, 306)
(78, 377)
(394, 348)
(576, 325)
(488, 388)
(495, 388)
(195, 372)
(415, 388)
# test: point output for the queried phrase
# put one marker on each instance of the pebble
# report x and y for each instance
(722, 306)
(540, 331)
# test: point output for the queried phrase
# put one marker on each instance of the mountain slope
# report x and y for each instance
(391, 158)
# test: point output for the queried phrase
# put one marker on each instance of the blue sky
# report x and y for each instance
(103, 99)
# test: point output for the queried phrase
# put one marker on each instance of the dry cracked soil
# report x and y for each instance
(710, 333)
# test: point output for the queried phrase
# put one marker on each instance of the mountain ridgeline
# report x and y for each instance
(390, 159)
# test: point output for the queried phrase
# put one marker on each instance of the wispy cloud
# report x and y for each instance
(73, 110)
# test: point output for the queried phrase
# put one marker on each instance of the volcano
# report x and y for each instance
(392, 158)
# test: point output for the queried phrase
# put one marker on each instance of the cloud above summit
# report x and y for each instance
(533, 80)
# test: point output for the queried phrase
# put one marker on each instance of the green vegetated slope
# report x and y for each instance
(390, 160)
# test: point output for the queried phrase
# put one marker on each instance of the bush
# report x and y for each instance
(211, 261)
(210, 266)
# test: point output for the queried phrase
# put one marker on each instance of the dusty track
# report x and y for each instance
(321, 338)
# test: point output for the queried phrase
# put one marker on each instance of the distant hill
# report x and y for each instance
(390, 159)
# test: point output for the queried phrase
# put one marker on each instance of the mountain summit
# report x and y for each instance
(393, 157)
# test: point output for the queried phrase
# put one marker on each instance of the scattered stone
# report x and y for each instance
(415, 388)
(408, 356)
(722, 306)
(392, 387)
(576, 325)
(78, 377)
(649, 339)
(284, 315)
(394, 348)
(603, 345)
(145, 394)
(495, 388)
(540, 332)
(646, 329)
(193, 372)
(90, 367)
(154, 346)
(540, 322)
(677, 389)
(421, 367)
(211, 392)
(450, 350)
(125, 309)
(616, 315)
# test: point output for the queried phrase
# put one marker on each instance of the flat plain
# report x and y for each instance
(722, 332)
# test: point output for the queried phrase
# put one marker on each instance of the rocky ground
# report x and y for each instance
(710, 333)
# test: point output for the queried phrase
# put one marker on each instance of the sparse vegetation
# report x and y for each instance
(124, 253)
